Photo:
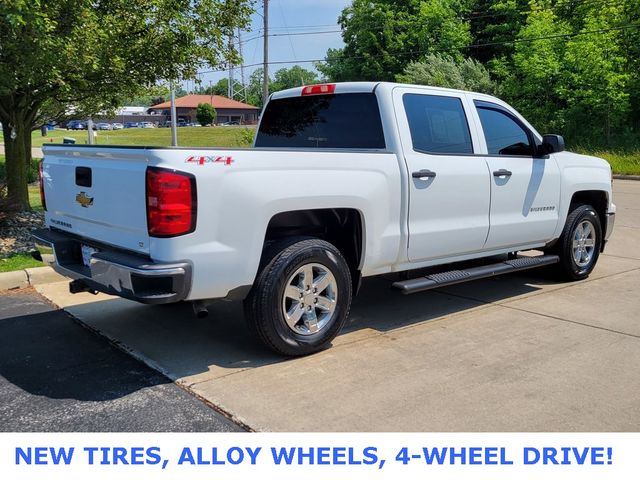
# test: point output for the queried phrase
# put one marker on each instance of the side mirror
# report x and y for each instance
(552, 144)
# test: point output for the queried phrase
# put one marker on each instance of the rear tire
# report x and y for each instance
(579, 245)
(301, 297)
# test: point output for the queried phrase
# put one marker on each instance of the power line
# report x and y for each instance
(291, 34)
(419, 52)
(560, 3)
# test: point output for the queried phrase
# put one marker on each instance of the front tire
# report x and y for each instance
(301, 297)
(580, 242)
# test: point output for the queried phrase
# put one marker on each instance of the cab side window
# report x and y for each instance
(503, 133)
(437, 124)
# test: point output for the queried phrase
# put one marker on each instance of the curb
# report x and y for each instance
(626, 177)
(28, 277)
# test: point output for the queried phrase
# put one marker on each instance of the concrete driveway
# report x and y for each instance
(515, 353)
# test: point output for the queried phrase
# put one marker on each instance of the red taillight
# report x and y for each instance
(171, 202)
(41, 181)
(323, 89)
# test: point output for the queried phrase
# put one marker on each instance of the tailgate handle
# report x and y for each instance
(83, 176)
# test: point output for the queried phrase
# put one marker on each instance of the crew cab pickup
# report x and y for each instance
(344, 181)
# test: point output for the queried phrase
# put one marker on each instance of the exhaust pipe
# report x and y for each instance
(78, 286)
(200, 309)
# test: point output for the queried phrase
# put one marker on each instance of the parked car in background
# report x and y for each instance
(76, 125)
(104, 126)
(182, 123)
(117, 126)
(147, 125)
(131, 125)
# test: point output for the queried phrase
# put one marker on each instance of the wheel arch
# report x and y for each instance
(342, 227)
(599, 200)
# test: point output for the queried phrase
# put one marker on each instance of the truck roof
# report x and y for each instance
(367, 87)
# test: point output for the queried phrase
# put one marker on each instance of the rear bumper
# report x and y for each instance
(113, 272)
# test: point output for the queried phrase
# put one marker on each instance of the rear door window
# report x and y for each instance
(345, 120)
(438, 124)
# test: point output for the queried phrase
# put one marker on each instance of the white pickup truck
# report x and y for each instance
(344, 181)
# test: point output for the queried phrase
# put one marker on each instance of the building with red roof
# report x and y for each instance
(228, 110)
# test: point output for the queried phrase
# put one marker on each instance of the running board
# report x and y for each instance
(458, 276)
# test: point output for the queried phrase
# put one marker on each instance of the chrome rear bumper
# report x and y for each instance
(114, 272)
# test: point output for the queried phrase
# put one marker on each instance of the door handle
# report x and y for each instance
(423, 174)
(502, 173)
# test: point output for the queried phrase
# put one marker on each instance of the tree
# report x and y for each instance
(254, 88)
(596, 83)
(221, 87)
(532, 76)
(493, 25)
(444, 71)
(87, 56)
(149, 96)
(382, 36)
(205, 114)
(295, 76)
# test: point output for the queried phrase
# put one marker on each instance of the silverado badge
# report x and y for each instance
(84, 200)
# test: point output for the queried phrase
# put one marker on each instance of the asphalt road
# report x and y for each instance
(56, 375)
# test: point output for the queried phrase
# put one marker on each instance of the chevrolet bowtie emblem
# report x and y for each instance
(84, 200)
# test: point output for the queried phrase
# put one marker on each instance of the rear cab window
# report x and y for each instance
(343, 120)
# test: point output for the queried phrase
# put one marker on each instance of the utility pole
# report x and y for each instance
(244, 85)
(265, 65)
(174, 121)
(90, 138)
(230, 85)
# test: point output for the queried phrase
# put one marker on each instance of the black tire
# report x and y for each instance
(568, 267)
(264, 306)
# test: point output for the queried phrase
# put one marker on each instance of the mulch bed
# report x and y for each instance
(15, 232)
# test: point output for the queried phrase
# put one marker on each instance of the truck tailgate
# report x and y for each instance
(98, 194)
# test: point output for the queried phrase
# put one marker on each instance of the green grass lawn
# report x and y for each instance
(159, 137)
(34, 198)
(621, 163)
(18, 262)
(627, 163)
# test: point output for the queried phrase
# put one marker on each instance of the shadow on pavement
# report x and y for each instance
(48, 354)
(55, 375)
(171, 339)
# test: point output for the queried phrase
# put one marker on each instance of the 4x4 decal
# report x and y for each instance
(201, 160)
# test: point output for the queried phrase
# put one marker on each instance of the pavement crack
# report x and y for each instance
(571, 321)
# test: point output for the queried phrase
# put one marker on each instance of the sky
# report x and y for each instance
(288, 16)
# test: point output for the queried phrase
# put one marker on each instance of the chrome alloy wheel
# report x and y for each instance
(309, 299)
(584, 243)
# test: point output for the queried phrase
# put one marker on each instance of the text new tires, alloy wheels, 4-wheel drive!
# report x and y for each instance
(301, 297)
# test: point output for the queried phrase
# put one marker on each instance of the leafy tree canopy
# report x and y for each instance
(205, 114)
(87, 56)
(443, 71)
(382, 36)
(295, 76)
